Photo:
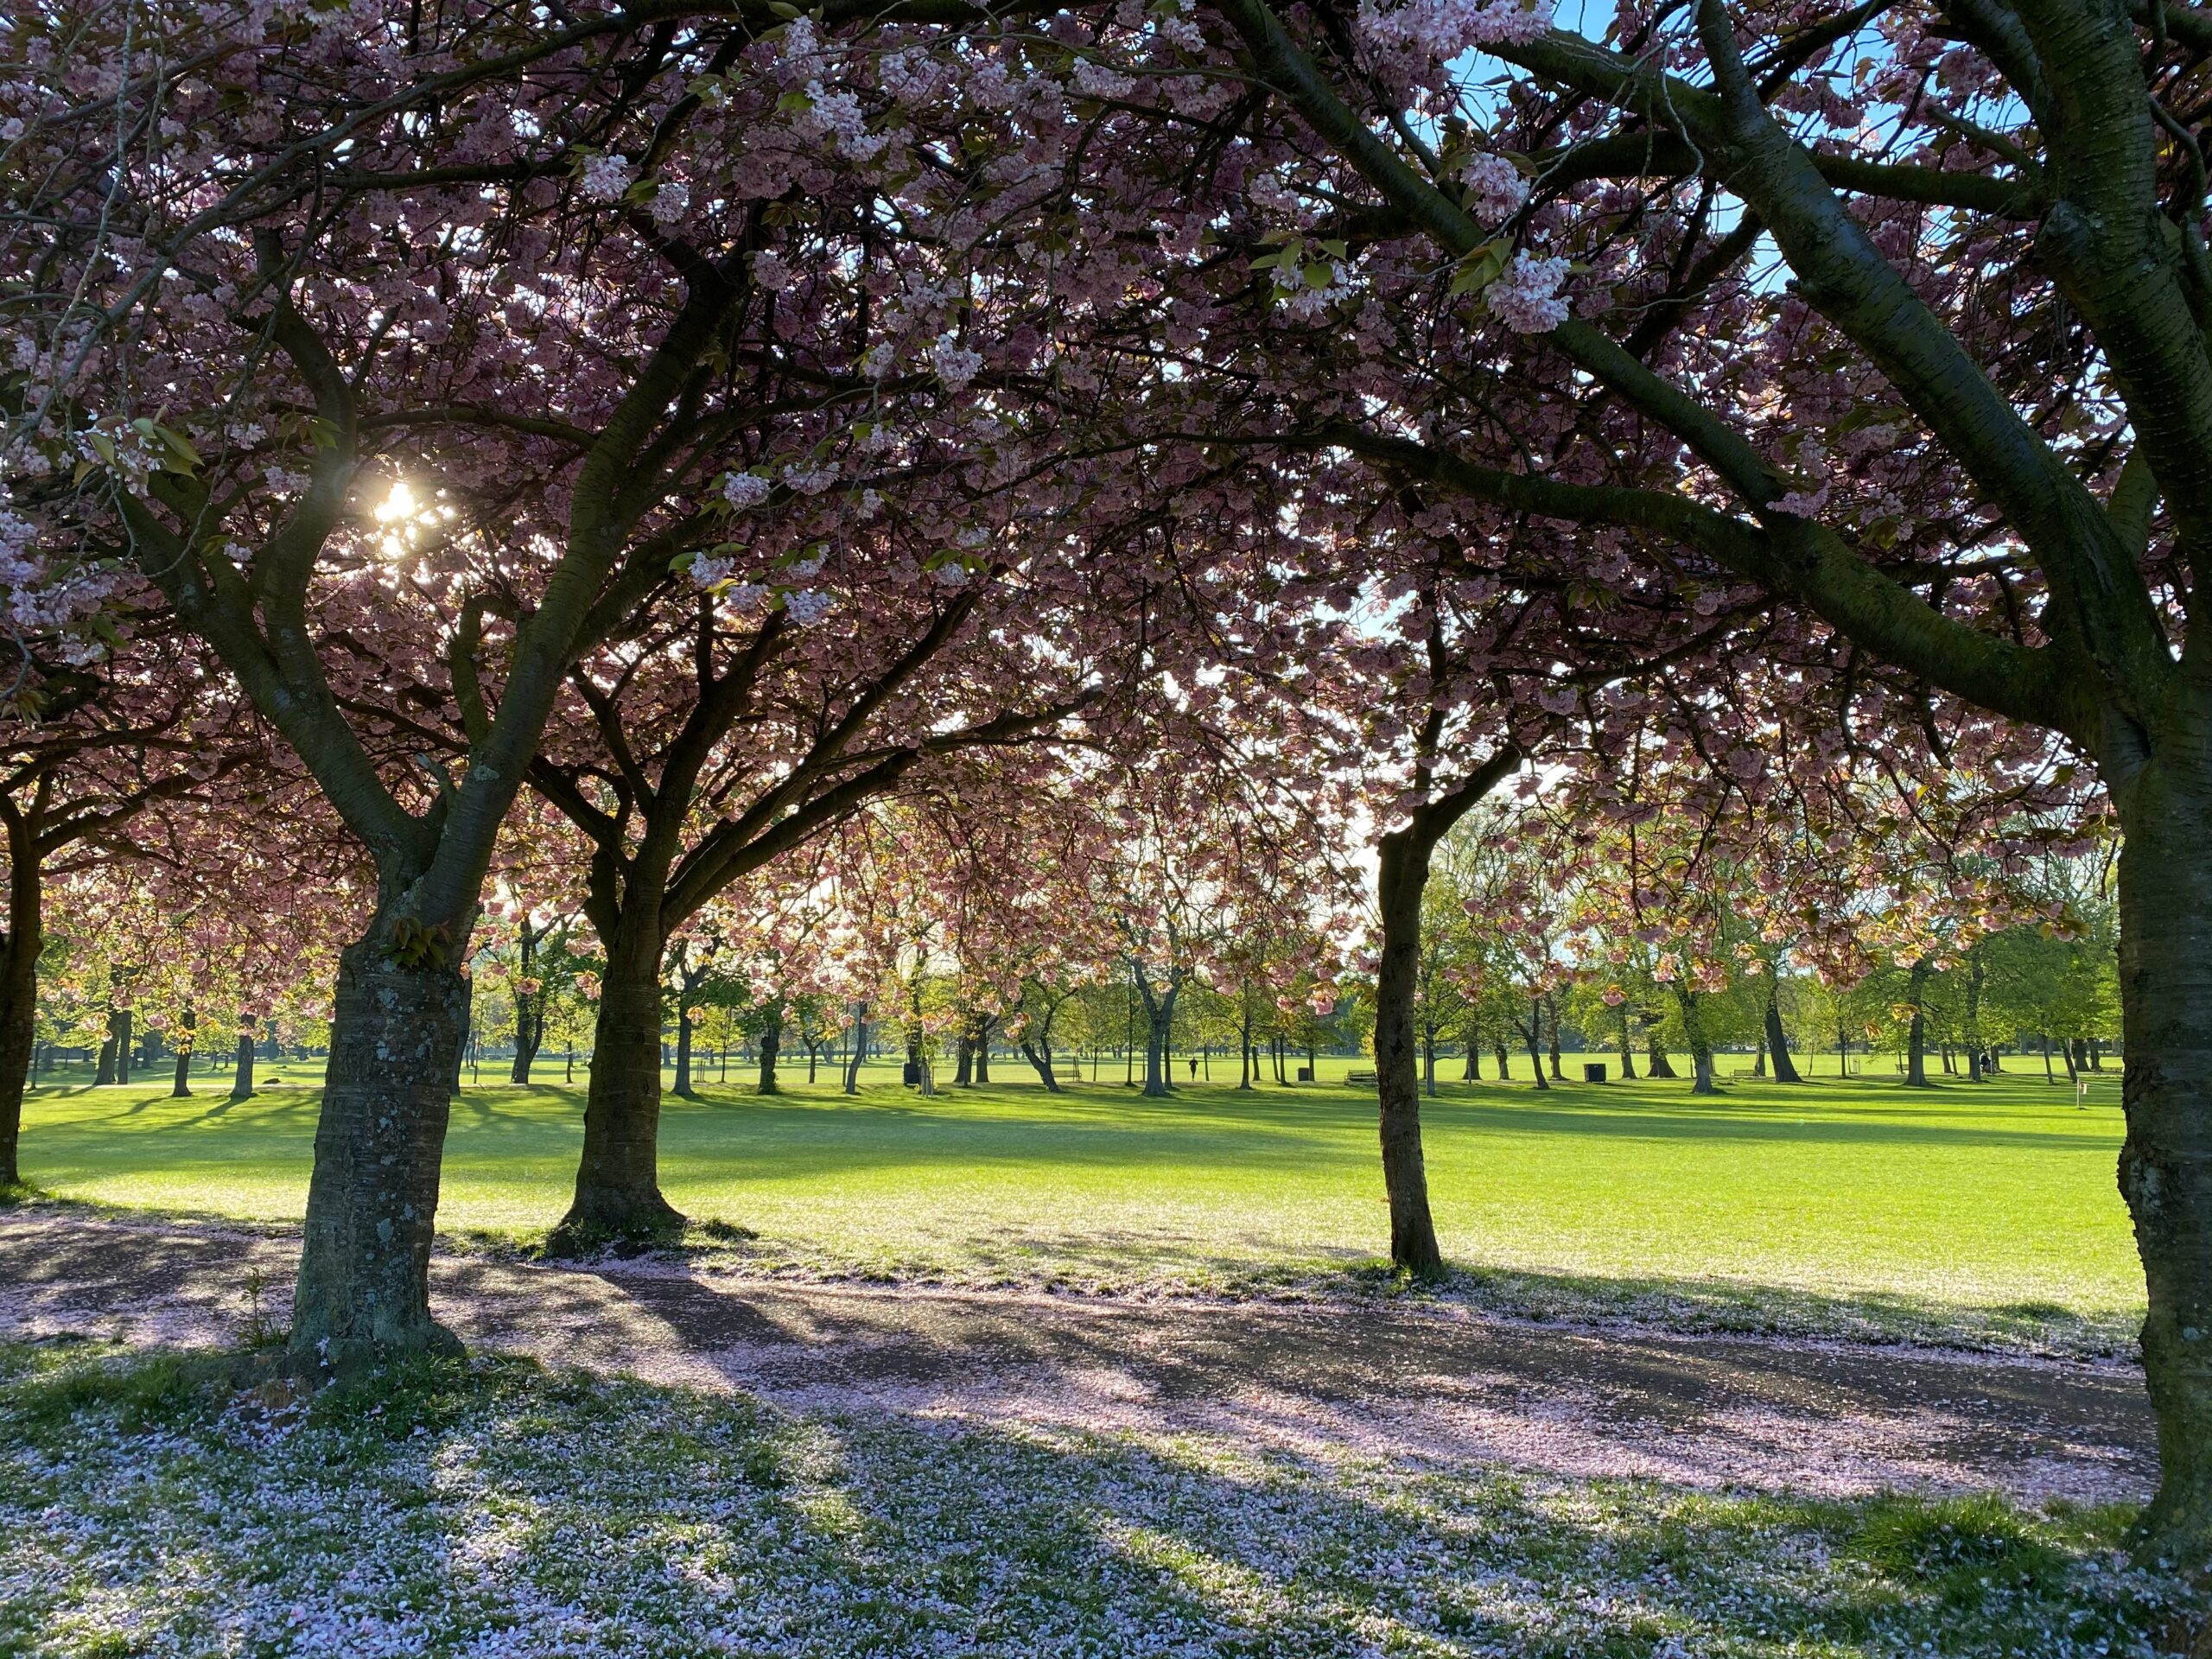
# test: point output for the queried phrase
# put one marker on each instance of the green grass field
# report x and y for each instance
(1985, 1213)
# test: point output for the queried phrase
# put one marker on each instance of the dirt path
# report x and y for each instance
(1411, 1384)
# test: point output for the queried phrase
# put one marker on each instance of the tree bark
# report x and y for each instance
(1041, 1060)
(1656, 1063)
(2166, 1164)
(530, 1006)
(1916, 1053)
(982, 1053)
(617, 1179)
(1401, 873)
(19, 958)
(1777, 1040)
(1532, 1034)
(1551, 1021)
(1702, 1079)
(180, 1086)
(772, 1043)
(1628, 1049)
(242, 1077)
(964, 1058)
(859, 1048)
(364, 1259)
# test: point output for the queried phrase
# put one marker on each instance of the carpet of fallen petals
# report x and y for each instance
(189, 1504)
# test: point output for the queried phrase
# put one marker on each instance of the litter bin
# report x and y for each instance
(913, 1072)
(1306, 1074)
(1594, 1073)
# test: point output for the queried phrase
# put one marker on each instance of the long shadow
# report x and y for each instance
(890, 1533)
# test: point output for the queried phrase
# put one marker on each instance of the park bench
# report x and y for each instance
(1359, 1077)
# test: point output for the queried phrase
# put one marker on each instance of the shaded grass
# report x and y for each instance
(494, 1507)
(1984, 1214)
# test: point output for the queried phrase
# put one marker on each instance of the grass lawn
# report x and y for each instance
(1978, 1213)
(169, 1505)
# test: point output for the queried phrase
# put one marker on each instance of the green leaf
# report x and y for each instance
(792, 102)
(1319, 274)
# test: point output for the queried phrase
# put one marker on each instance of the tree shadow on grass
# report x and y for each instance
(425, 1509)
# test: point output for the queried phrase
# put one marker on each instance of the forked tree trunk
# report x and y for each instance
(1040, 1056)
(617, 1179)
(1401, 873)
(373, 1202)
(964, 1061)
(18, 997)
(1504, 1061)
(1655, 1053)
(2165, 1165)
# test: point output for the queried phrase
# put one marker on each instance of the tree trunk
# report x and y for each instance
(1532, 1032)
(242, 1077)
(1916, 1053)
(685, 985)
(1401, 872)
(1428, 1061)
(1158, 1021)
(1976, 974)
(1248, 1061)
(1470, 1064)
(859, 1048)
(1701, 1080)
(2049, 1076)
(772, 1045)
(1758, 1057)
(984, 1050)
(1778, 1041)
(123, 1019)
(530, 1032)
(372, 1201)
(467, 1033)
(1628, 1048)
(19, 992)
(964, 1057)
(1551, 1021)
(617, 1179)
(1504, 1065)
(2165, 1165)
(1656, 1063)
(180, 1086)
(1040, 1060)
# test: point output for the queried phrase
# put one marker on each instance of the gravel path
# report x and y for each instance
(1426, 1383)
